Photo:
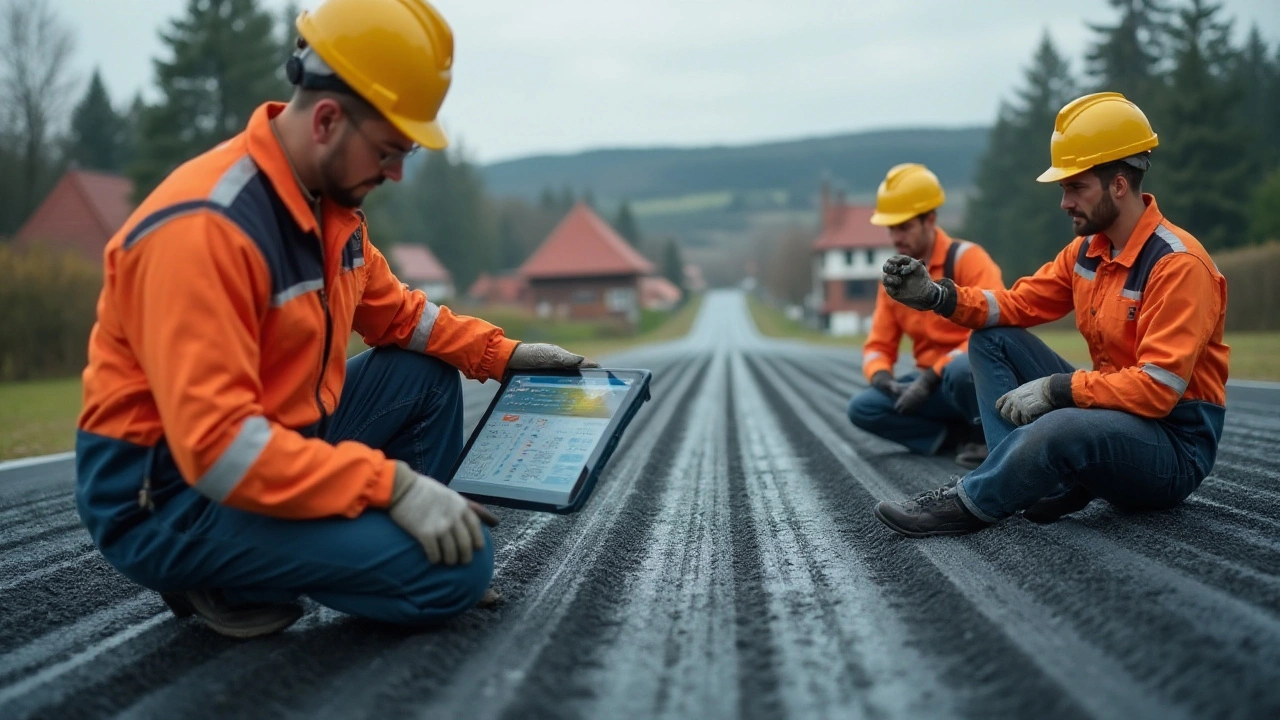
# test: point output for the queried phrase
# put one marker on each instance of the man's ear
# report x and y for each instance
(326, 116)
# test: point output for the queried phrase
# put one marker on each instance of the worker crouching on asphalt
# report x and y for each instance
(1141, 429)
(934, 406)
(228, 455)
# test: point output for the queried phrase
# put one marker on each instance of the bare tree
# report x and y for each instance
(37, 88)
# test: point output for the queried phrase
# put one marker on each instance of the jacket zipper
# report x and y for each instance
(324, 357)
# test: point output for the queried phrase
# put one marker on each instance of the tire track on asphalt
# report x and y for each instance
(661, 661)
(832, 626)
(1038, 636)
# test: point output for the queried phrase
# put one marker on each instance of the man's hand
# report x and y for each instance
(917, 392)
(446, 524)
(1026, 402)
(907, 281)
(545, 356)
(883, 381)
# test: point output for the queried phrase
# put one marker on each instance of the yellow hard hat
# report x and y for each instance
(1093, 130)
(907, 191)
(396, 54)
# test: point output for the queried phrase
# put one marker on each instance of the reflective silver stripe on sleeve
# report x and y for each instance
(872, 356)
(1166, 378)
(236, 460)
(1085, 272)
(955, 352)
(1131, 294)
(418, 343)
(993, 309)
(233, 181)
(1170, 239)
(298, 290)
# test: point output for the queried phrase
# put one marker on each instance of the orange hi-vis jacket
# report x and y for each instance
(935, 340)
(1153, 316)
(221, 339)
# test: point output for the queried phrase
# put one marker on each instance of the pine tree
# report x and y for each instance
(223, 61)
(626, 225)
(1014, 217)
(1258, 79)
(97, 130)
(1264, 219)
(452, 214)
(673, 263)
(1204, 157)
(1127, 56)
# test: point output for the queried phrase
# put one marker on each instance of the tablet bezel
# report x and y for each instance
(636, 396)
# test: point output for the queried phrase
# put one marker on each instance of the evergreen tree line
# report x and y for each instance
(221, 60)
(1215, 105)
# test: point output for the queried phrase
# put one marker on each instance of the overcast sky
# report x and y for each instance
(535, 76)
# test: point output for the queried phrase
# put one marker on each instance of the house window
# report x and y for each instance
(871, 257)
(848, 257)
(620, 300)
(584, 297)
(859, 289)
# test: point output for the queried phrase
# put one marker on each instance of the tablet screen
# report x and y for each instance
(541, 434)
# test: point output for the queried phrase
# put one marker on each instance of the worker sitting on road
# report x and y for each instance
(934, 406)
(1141, 429)
(228, 454)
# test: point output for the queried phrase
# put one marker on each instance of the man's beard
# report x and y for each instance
(330, 171)
(1104, 215)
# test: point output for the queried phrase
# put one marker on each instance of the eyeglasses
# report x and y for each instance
(386, 158)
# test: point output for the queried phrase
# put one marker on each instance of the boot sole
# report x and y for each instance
(915, 533)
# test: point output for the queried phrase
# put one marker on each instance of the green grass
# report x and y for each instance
(773, 323)
(655, 328)
(1254, 355)
(38, 417)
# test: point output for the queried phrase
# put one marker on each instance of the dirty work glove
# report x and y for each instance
(917, 392)
(1026, 402)
(907, 280)
(883, 381)
(445, 523)
(545, 356)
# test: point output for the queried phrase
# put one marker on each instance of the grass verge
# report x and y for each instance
(38, 417)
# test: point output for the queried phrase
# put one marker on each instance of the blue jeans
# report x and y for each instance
(404, 403)
(1134, 463)
(954, 403)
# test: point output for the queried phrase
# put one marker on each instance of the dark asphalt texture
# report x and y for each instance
(728, 565)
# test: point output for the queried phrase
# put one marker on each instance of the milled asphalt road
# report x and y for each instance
(728, 565)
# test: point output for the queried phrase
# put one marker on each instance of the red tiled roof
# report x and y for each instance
(418, 263)
(583, 245)
(657, 290)
(80, 213)
(849, 226)
(506, 289)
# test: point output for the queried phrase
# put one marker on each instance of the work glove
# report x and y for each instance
(917, 392)
(883, 381)
(1026, 402)
(907, 280)
(445, 523)
(545, 356)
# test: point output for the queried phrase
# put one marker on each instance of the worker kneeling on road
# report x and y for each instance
(936, 405)
(228, 454)
(1141, 429)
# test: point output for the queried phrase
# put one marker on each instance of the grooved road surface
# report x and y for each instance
(728, 565)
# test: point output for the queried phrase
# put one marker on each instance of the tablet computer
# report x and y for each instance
(546, 436)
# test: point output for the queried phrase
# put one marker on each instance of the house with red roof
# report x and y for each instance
(80, 214)
(419, 268)
(585, 270)
(847, 257)
(506, 288)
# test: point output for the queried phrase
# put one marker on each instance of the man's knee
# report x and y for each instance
(989, 343)
(444, 592)
(957, 376)
(433, 372)
(867, 408)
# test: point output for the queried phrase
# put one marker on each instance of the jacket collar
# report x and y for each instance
(1151, 218)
